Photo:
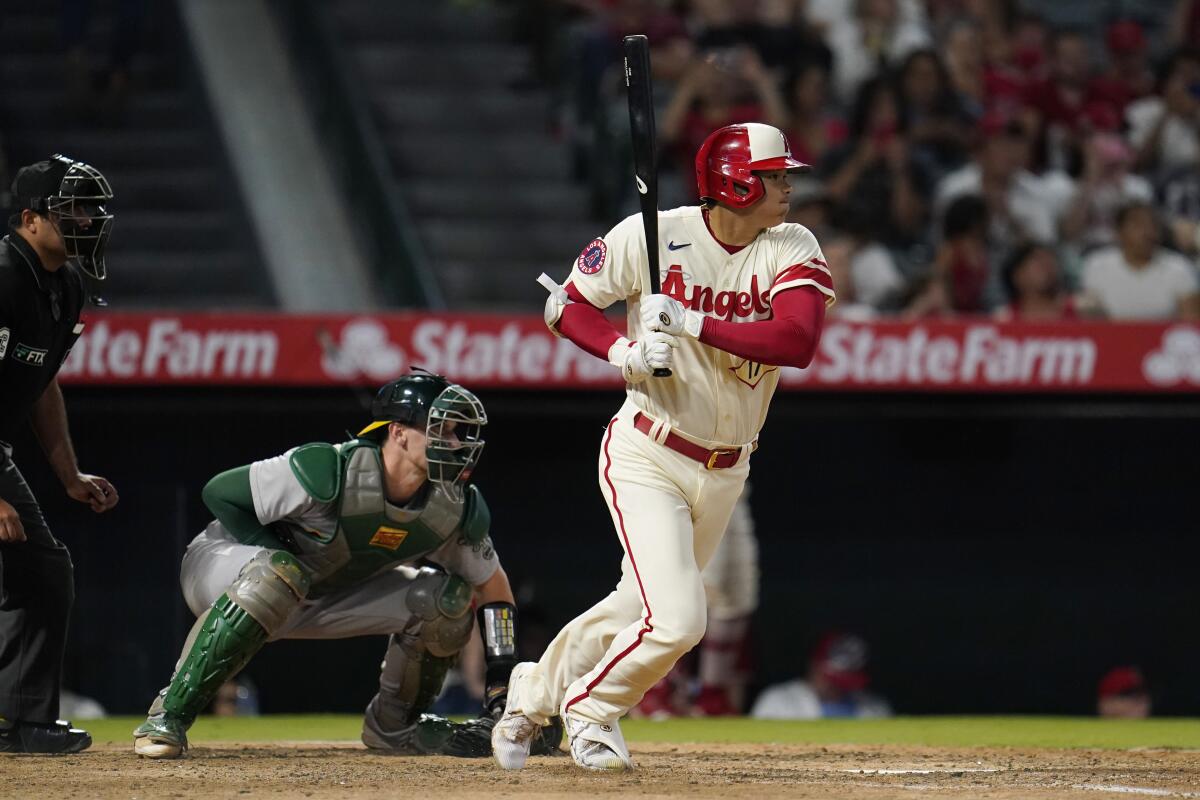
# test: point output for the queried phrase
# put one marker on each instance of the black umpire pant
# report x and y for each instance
(37, 590)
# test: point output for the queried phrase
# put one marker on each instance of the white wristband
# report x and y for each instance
(618, 351)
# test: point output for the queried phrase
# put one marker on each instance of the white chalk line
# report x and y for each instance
(1100, 787)
(1093, 787)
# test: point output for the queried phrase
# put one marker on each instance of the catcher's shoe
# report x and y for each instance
(161, 736)
(430, 735)
(596, 746)
(55, 738)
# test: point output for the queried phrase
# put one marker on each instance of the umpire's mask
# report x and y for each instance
(80, 210)
(454, 434)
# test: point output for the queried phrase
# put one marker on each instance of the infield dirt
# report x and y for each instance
(337, 770)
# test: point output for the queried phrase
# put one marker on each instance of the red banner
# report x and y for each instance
(490, 351)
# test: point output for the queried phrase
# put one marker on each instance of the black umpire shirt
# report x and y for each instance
(39, 323)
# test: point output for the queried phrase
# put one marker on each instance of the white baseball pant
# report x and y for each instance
(669, 512)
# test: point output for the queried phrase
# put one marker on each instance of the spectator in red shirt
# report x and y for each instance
(959, 277)
(1128, 75)
(1030, 41)
(1033, 281)
(1060, 99)
(962, 259)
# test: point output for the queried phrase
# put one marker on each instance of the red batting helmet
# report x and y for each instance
(729, 157)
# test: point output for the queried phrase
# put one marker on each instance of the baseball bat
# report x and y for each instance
(641, 126)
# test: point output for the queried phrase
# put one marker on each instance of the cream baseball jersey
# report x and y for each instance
(713, 396)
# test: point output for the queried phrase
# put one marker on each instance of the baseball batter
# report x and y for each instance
(322, 542)
(742, 295)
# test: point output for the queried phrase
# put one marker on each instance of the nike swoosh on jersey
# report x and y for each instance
(673, 246)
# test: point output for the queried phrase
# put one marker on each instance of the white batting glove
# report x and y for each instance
(661, 312)
(638, 360)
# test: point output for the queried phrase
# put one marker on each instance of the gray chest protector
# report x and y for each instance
(372, 534)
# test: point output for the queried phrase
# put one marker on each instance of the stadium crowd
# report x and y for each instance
(1020, 159)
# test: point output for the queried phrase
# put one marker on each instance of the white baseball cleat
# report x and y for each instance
(513, 734)
(596, 746)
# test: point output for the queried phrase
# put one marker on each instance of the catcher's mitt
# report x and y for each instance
(438, 736)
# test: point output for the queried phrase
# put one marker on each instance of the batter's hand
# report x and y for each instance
(11, 529)
(663, 313)
(93, 490)
(653, 351)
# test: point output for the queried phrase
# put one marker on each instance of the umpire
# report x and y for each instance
(62, 227)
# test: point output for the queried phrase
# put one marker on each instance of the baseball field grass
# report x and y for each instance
(319, 756)
(1049, 732)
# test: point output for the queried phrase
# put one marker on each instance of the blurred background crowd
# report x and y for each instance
(1025, 159)
(1019, 158)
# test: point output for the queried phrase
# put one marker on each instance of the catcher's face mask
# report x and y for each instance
(79, 209)
(454, 438)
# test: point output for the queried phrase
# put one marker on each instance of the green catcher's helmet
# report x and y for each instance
(451, 417)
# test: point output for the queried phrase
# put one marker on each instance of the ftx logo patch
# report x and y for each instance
(32, 356)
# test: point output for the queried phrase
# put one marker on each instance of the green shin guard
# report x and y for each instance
(267, 590)
(417, 661)
(226, 641)
(409, 683)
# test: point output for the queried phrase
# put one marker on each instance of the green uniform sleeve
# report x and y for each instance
(229, 498)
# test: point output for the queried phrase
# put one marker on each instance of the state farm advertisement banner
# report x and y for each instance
(491, 351)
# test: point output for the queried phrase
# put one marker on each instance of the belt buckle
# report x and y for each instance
(720, 451)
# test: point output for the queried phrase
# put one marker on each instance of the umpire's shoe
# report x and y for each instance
(161, 736)
(55, 738)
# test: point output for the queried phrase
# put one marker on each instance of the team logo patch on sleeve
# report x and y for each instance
(591, 260)
(4, 336)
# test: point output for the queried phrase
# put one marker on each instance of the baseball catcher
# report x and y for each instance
(324, 542)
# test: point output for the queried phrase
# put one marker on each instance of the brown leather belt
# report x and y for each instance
(717, 458)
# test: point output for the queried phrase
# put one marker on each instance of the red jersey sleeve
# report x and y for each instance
(788, 339)
(586, 325)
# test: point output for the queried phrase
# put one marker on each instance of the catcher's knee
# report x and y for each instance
(270, 587)
(442, 602)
